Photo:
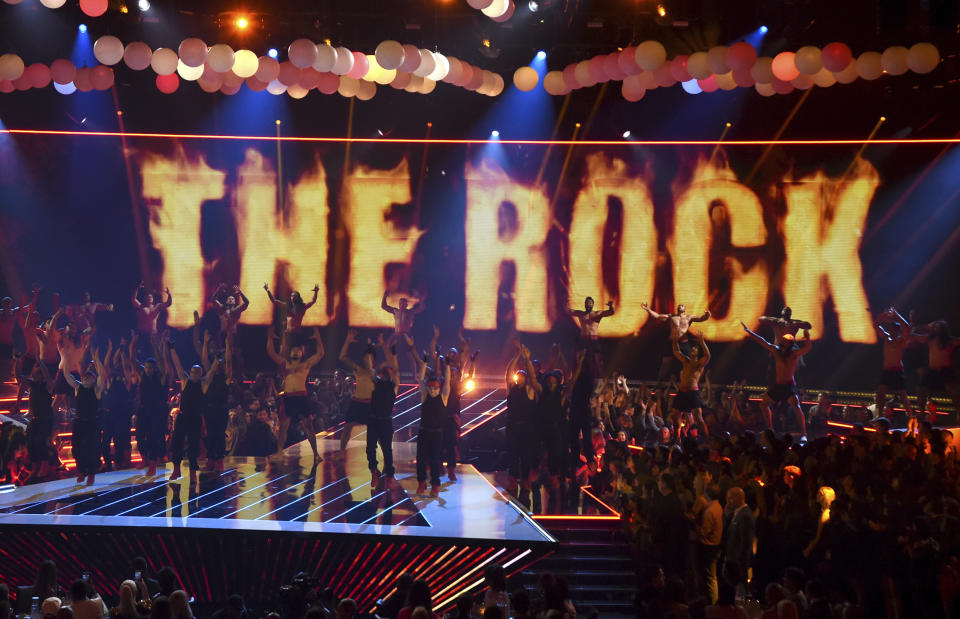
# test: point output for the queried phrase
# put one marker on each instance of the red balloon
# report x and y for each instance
(38, 75)
(6, 86)
(102, 77)
(309, 78)
(289, 74)
(611, 66)
(663, 76)
(596, 70)
(678, 69)
(360, 66)
(466, 74)
(741, 56)
(570, 78)
(743, 78)
(628, 61)
(93, 8)
(329, 83)
(62, 71)
(82, 80)
(22, 82)
(708, 85)
(836, 57)
(256, 85)
(781, 87)
(476, 81)
(230, 89)
(168, 84)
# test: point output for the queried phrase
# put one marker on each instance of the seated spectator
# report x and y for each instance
(160, 608)
(418, 596)
(50, 608)
(391, 606)
(166, 582)
(65, 612)
(85, 602)
(126, 607)
(495, 578)
(346, 609)
(180, 605)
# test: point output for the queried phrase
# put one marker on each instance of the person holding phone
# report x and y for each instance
(85, 601)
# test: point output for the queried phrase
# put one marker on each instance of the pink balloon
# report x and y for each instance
(663, 76)
(741, 56)
(62, 71)
(93, 8)
(708, 85)
(678, 69)
(466, 74)
(743, 78)
(570, 78)
(231, 79)
(784, 67)
(401, 81)
(510, 9)
(782, 87)
(230, 89)
(611, 66)
(38, 75)
(476, 81)
(289, 74)
(209, 86)
(836, 57)
(328, 83)
(102, 77)
(628, 61)
(256, 85)
(411, 59)
(631, 89)
(82, 79)
(596, 69)
(6, 86)
(309, 78)
(360, 66)
(167, 84)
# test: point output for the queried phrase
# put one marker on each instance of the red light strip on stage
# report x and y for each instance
(848, 426)
(597, 499)
(343, 140)
(635, 447)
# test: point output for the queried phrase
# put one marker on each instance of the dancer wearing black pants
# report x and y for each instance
(582, 388)
(522, 392)
(40, 448)
(434, 396)
(117, 404)
(451, 422)
(552, 422)
(217, 413)
(86, 426)
(153, 414)
(380, 421)
(189, 423)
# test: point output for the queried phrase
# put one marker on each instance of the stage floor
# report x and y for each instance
(283, 493)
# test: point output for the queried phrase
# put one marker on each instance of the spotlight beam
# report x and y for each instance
(862, 148)
(138, 229)
(421, 175)
(723, 134)
(776, 137)
(596, 107)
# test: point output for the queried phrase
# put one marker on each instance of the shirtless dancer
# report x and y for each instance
(784, 324)
(896, 335)
(295, 310)
(49, 337)
(29, 322)
(941, 376)
(359, 410)
(72, 346)
(148, 313)
(84, 314)
(296, 405)
(688, 395)
(590, 321)
(786, 358)
(679, 325)
(229, 310)
(402, 314)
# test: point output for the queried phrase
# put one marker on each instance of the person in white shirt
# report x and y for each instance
(85, 602)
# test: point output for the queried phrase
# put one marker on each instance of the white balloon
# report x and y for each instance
(389, 54)
(245, 63)
(302, 53)
(54, 4)
(326, 58)
(108, 49)
(344, 62)
(164, 61)
(65, 89)
(276, 88)
(220, 58)
(442, 68)
(190, 74)
(496, 9)
(427, 63)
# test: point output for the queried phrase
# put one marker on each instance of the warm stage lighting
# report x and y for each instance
(272, 52)
(242, 23)
(883, 119)
(82, 28)
(661, 10)
(486, 42)
(470, 385)
(144, 5)
(541, 55)
(124, 9)
(728, 125)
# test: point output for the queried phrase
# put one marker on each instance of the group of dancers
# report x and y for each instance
(61, 362)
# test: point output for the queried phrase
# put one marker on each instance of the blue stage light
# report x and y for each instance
(494, 134)
(272, 52)
(763, 29)
(82, 28)
(541, 55)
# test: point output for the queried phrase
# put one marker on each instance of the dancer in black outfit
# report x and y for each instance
(581, 390)
(552, 423)
(40, 448)
(117, 403)
(189, 423)
(217, 412)
(380, 421)
(522, 392)
(86, 426)
(154, 413)
(434, 396)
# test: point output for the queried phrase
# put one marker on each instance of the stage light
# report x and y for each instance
(470, 385)
(272, 52)
(516, 377)
(144, 5)
(486, 42)
(883, 119)
(626, 134)
(82, 28)
(541, 55)
(661, 10)
(494, 134)
(124, 9)
(278, 122)
(728, 125)
(763, 29)
(533, 6)
(242, 23)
